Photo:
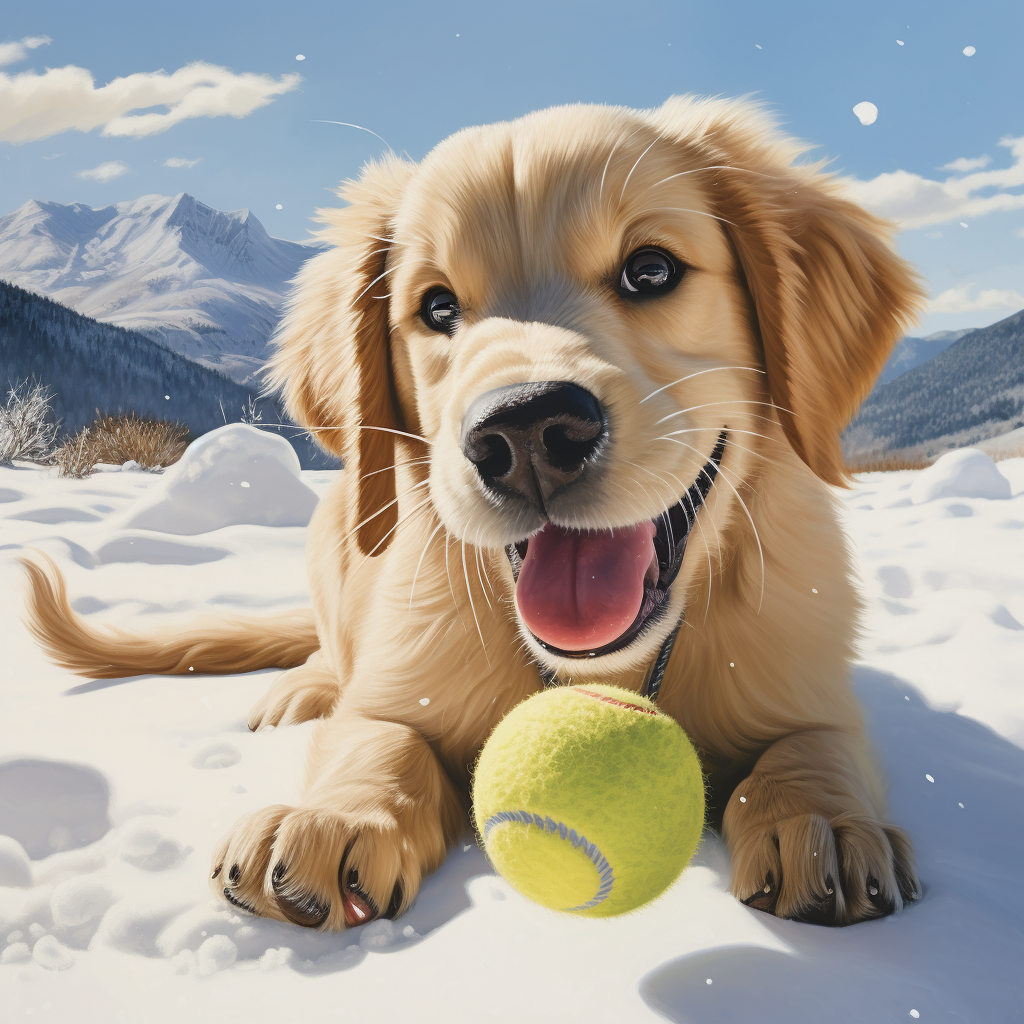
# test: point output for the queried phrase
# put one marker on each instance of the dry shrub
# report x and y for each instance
(884, 464)
(118, 439)
(26, 428)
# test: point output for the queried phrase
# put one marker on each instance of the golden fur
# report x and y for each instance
(792, 303)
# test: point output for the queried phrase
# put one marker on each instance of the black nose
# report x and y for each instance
(531, 439)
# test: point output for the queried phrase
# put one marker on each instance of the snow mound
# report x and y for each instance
(966, 473)
(235, 474)
(15, 869)
(216, 953)
(77, 901)
(50, 953)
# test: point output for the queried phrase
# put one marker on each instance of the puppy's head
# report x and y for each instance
(596, 320)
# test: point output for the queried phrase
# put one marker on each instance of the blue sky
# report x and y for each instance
(416, 72)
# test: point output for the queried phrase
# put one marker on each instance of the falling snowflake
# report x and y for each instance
(866, 112)
(969, 51)
(279, 207)
(300, 56)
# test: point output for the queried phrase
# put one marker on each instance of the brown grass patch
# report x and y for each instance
(884, 464)
(118, 439)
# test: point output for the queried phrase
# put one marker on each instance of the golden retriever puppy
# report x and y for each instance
(587, 372)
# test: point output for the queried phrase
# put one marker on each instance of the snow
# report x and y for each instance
(113, 793)
(15, 869)
(969, 51)
(235, 474)
(867, 113)
(966, 473)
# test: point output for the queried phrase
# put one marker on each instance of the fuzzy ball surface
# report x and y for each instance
(589, 800)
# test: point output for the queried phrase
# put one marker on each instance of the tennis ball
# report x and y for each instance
(588, 799)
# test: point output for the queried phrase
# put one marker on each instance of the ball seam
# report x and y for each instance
(580, 842)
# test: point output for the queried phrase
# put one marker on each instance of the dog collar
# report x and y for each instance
(652, 681)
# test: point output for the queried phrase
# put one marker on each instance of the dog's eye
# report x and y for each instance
(649, 272)
(441, 311)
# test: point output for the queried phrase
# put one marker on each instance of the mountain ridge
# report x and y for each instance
(206, 283)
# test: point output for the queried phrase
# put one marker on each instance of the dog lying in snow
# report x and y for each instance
(587, 372)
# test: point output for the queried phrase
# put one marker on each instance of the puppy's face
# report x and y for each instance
(567, 322)
(604, 323)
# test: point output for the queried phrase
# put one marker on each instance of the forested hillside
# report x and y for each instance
(93, 368)
(971, 391)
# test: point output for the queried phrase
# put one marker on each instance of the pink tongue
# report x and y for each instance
(577, 590)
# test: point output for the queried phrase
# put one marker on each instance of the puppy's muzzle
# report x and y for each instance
(528, 441)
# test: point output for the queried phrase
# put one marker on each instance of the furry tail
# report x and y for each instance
(216, 645)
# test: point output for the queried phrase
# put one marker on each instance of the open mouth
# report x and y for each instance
(585, 593)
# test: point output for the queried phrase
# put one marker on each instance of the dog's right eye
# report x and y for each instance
(441, 311)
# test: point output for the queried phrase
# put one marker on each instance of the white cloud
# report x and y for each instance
(11, 53)
(106, 171)
(180, 161)
(35, 106)
(964, 164)
(959, 300)
(914, 201)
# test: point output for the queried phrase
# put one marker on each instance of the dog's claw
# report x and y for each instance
(359, 908)
(304, 910)
(822, 909)
(764, 898)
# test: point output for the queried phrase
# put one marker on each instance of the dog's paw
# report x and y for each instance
(315, 868)
(832, 872)
(297, 695)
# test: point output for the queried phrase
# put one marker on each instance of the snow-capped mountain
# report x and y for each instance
(202, 282)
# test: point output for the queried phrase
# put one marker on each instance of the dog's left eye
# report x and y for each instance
(441, 311)
(649, 272)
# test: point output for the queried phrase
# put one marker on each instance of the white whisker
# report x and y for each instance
(689, 376)
(732, 430)
(384, 508)
(716, 167)
(373, 282)
(712, 405)
(368, 426)
(401, 520)
(395, 465)
(757, 537)
(611, 153)
(733, 443)
(472, 604)
(633, 168)
(348, 124)
(412, 589)
(451, 586)
(699, 213)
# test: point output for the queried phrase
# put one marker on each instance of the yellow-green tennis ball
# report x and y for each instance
(589, 800)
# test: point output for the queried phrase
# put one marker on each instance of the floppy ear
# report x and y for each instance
(830, 295)
(332, 357)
